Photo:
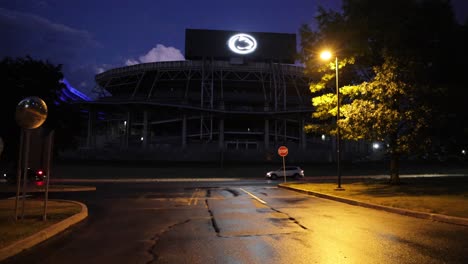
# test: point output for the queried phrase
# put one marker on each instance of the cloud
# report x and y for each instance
(27, 34)
(131, 62)
(158, 53)
(82, 77)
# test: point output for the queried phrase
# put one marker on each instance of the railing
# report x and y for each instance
(185, 65)
(195, 105)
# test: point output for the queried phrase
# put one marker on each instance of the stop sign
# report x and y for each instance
(283, 151)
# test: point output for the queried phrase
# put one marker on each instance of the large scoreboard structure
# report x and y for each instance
(240, 46)
(237, 96)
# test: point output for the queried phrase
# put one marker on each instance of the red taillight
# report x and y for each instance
(40, 172)
(39, 183)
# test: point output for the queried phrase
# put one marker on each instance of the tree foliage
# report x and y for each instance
(397, 65)
(386, 109)
(24, 77)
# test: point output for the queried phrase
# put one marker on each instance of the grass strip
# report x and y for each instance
(444, 195)
(11, 230)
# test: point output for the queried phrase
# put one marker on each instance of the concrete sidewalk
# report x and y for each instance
(227, 179)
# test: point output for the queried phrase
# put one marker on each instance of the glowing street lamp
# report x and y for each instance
(327, 55)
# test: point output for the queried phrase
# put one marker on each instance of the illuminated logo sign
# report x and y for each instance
(242, 43)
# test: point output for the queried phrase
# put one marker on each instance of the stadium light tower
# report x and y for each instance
(327, 55)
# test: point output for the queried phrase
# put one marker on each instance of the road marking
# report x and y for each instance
(253, 196)
(194, 198)
(20, 196)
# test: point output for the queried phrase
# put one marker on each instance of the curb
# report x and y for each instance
(42, 235)
(142, 180)
(435, 217)
(53, 189)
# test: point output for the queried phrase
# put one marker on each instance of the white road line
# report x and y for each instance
(195, 193)
(20, 196)
(197, 197)
(253, 196)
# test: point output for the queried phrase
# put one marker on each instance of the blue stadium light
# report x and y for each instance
(73, 94)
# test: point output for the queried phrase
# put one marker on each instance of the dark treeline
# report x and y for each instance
(23, 77)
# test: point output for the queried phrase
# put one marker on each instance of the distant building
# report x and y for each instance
(238, 96)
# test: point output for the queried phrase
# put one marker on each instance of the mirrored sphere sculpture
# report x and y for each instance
(31, 112)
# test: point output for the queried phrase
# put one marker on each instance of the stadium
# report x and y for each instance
(238, 96)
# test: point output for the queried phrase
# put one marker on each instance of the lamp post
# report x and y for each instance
(326, 55)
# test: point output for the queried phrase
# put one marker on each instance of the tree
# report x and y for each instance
(23, 77)
(394, 60)
(386, 109)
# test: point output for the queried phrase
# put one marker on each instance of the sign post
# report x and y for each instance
(283, 152)
(31, 112)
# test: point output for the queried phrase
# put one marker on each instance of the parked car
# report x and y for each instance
(34, 176)
(290, 171)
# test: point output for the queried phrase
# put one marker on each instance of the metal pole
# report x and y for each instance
(284, 170)
(25, 169)
(338, 143)
(48, 170)
(19, 165)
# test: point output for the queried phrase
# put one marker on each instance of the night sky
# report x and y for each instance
(88, 37)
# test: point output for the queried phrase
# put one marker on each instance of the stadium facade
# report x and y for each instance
(238, 96)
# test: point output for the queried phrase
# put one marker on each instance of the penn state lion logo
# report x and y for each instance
(242, 43)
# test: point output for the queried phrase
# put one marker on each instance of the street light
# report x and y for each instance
(326, 55)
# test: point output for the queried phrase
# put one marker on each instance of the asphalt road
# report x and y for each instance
(242, 221)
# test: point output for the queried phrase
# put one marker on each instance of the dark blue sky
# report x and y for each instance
(90, 36)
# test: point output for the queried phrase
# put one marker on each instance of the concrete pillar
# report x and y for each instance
(266, 138)
(145, 130)
(276, 132)
(184, 131)
(128, 125)
(285, 139)
(221, 133)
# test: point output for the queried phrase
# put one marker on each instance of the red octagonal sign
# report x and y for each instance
(283, 151)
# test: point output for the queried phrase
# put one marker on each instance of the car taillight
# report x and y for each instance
(39, 183)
